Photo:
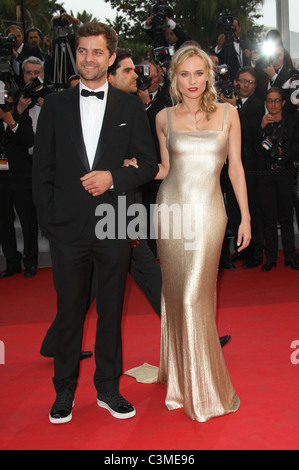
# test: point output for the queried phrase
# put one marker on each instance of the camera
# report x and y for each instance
(160, 12)
(273, 147)
(294, 87)
(35, 89)
(5, 105)
(162, 55)
(266, 52)
(226, 22)
(224, 84)
(6, 42)
(143, 79)
(60, 24)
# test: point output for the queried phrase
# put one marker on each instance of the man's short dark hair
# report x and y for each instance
(97, 29)
(246, 69)
(121, 54)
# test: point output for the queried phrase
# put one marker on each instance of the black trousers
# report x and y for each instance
(71, 265)
(145, 271)
(276, 199)
(16, 195)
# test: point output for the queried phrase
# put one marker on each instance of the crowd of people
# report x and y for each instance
(106, 136)
(83, 126)
(270, 165)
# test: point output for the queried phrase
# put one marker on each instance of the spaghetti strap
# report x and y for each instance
(225, 114)
(169, 119)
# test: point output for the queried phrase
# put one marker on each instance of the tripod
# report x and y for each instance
(61, 73)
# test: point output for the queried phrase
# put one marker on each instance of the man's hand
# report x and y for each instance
(97, 182)
(23, 104)
(267, 119)
(144, 95)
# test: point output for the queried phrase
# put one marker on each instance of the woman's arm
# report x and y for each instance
(237, 177)
(161, 127)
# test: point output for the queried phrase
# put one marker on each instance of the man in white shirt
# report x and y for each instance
(78, 178)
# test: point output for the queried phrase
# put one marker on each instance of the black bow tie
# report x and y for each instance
(98, 94)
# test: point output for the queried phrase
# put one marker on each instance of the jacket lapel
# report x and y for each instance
(110, 119)
(76, 127)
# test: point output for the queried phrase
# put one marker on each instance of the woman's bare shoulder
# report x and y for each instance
(161, 118)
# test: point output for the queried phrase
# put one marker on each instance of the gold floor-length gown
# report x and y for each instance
(191, 359)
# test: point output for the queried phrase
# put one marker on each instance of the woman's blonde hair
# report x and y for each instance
(208, 99)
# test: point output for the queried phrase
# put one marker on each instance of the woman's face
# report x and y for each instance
(274, 103)
(192, 76)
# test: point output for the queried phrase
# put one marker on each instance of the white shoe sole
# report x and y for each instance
(104, 405)
(67, 419)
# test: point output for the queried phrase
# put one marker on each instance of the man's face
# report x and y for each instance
(247, 85)
(19, 36)
(125, 76)
(154, 77)
(237, 27)
(170, 36)
(93, 59)
(215, 62)
(31, 71)
(33, 38)
(279, 58)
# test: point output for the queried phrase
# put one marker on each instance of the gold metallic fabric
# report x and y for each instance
(191, 359)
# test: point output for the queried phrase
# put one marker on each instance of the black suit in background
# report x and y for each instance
(150, 189)
(27, 51)
(229, 56)
(250, 114)
(67, 213)
(263, 82)
(160, 41)
(16, 194)
(275, 189)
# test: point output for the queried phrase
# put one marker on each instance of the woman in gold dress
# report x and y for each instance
(196, 135)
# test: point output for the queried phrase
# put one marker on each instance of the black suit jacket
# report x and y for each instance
(228, 56)
(15, 146)
(27, 51)
(263, 80)
(251, 115)
(60, 159)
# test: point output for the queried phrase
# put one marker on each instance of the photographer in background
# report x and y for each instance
(21, 51)
(30, 98)
(278, 138)
(230, 48)
(62, 49)
(271, 67)
(251, 110)
(163, 30)
(34, 37)
(16, 137)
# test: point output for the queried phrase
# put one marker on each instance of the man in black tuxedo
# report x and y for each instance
(78, 179)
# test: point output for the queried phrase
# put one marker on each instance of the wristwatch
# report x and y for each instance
(13, 125)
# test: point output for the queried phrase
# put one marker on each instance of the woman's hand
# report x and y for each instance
(244, 235)
(130, 162)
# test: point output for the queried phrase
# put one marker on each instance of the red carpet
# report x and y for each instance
(260, 311)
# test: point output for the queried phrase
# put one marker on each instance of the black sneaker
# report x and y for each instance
(61, 411)
(116, 404)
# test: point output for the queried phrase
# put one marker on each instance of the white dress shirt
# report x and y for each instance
(92, 111)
